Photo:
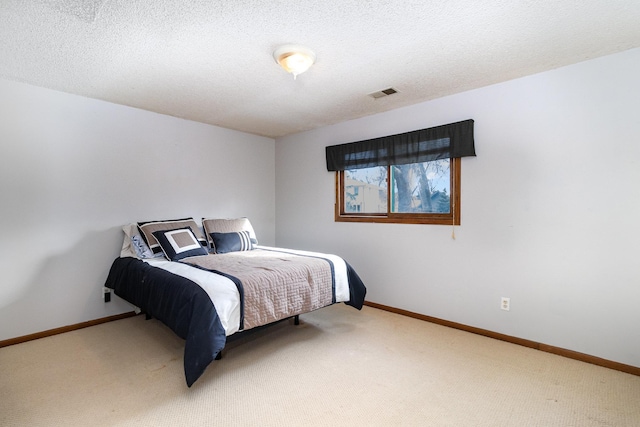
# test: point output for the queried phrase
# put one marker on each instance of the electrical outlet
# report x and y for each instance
(505, 303)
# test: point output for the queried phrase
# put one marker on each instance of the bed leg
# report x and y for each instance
(219, 355)
(296, 320)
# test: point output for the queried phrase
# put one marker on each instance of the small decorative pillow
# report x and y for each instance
(218, 225)
(148, 228)
(179, 243)
(231, 242)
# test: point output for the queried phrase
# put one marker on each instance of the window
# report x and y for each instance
(405, 178)
(420, 193)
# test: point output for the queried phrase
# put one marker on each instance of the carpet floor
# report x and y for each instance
(339, 367)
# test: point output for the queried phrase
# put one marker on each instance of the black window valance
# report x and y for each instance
(424, 145)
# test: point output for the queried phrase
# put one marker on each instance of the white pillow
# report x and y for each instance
(133, 245)
(127, 248)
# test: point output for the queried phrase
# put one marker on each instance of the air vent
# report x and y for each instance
(383, 93)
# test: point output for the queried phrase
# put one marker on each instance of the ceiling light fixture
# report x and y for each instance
(294, 59)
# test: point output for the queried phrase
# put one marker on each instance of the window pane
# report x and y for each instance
(365, 190)
(421, 187)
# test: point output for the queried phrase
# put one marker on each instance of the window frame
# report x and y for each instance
(451, 218)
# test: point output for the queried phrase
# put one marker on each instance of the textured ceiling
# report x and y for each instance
(211, 61)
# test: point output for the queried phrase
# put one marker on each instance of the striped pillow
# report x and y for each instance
(231, 242)
(218, 225)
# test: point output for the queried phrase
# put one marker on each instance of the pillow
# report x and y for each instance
(127, 249)
(147, 229)
(141, 248)
(231, 242)
(212, 225)
(179, 243)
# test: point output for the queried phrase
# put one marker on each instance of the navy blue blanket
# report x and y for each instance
(186, 308)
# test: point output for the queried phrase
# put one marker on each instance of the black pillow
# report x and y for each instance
(231, 242)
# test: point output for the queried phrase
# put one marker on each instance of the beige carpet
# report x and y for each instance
(340, 367)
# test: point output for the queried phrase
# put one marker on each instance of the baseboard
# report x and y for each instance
(515, 340)
(64, 329)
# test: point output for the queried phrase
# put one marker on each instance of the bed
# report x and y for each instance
(207, 283)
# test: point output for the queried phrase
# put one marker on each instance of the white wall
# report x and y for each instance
(74, 170)
(550, 210)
